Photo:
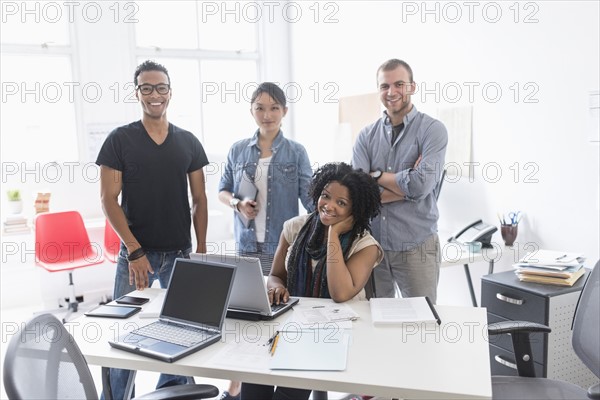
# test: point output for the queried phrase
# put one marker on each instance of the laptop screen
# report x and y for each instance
(249, 291)
(198, 292)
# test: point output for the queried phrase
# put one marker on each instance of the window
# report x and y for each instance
(199, 25)
(227, 88)
(212, 58)
(38, 102)
(34, 25)
(38, 110)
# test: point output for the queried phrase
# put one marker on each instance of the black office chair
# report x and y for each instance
(586, 343)
(43, 362)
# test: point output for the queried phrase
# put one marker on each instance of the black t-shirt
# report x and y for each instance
(154, 194)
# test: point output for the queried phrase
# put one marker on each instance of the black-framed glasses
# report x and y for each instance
(161, 88)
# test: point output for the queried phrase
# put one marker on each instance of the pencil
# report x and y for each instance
(274, 346)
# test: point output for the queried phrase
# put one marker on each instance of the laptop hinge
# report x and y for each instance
(203, 327)
(248, 310)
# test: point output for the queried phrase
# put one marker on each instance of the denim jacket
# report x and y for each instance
(289, 178)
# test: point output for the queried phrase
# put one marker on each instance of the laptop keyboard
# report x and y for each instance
(177, 334)
(277, 307)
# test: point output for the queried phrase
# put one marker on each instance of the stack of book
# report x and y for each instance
(550, 267)
(15, 224)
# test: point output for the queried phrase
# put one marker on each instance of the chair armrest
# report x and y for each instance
(519, 332)
(182, 392)
(594, 392)
(516, 326)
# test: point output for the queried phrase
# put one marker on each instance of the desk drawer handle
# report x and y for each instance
(509, 299)
(502, 361)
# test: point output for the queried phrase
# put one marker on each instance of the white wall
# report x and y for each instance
(558, 55)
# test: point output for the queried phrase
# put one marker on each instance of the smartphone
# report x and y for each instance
(131, 300)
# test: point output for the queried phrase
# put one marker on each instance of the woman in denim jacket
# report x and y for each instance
(278, 167)
(280, 170)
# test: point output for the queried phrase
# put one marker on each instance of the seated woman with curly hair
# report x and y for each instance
(329, 253)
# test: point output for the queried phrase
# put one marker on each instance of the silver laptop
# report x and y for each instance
(192, 314)
(249, 298)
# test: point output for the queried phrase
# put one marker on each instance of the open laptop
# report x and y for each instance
(192, 314)
(249, 298)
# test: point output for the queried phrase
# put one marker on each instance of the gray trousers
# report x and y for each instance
(416, 271)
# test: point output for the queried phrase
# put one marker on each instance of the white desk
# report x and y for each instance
(449, 361)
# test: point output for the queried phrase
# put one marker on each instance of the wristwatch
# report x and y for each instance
(234, 203)
(376, 174)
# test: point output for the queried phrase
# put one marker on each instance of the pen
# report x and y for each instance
(344, 319)
(561, 257)
(435, 314)
(274, 345)
(271, 339)
(318, 306)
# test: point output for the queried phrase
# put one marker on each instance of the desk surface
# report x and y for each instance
(417, 362)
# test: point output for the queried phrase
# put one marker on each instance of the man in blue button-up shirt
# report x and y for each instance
(404, 150)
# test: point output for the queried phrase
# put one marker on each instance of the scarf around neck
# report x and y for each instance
(311, 245)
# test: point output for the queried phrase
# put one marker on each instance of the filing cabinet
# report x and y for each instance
(507, 298)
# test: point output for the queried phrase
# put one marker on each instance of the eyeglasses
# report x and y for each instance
(161, 88)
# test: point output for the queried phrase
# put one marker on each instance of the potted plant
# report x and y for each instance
(15, 204)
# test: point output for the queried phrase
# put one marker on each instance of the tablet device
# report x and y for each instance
(246, 190)
(132, 300)
(108, 311)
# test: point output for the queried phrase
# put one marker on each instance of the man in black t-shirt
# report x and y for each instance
(149, 163)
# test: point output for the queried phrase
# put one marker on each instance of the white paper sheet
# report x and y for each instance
(399, 311)
(312, 350)
(245, 355)
(317, 316)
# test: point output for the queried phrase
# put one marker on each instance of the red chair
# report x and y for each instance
(62, 244)
(112, 243)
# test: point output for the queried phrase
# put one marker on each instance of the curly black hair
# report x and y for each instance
(364, 192)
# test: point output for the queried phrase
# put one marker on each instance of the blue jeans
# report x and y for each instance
(162, 264)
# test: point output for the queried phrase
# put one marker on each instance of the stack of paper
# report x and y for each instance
(550, 267)
(401, 310)
(15, 224)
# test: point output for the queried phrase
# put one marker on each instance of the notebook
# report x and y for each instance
(192, 314)
(312, 350)
(249, 298)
